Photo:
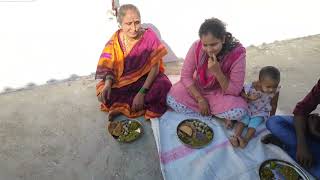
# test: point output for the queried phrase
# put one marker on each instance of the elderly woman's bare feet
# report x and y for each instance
(234, 141)
(113, 114)
(243, 142)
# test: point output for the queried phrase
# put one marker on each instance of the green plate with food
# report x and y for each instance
(125, 131)
(281, 170)
(194, 133)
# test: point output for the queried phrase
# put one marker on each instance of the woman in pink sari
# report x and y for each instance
(212, 76)
(130, 67)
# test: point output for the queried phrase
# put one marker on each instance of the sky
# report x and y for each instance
(53, 39)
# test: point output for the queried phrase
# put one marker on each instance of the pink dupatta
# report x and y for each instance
(226, 61)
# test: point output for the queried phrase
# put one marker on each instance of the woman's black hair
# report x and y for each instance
(217, 28)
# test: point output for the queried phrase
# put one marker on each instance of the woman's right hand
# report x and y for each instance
(303, 156)
(106, 91)
(314, 125)
(203, 107)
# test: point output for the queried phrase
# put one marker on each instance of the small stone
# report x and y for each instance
(8, 89)
(31, 84)
(51, 81)
(73, 77)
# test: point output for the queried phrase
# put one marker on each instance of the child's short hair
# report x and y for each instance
(270, 72)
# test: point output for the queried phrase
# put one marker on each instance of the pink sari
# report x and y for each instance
(225, 61)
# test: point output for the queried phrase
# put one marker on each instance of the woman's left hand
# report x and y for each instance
(213, 64)
(204, 107)
(138, 102)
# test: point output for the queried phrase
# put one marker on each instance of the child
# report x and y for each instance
(262, 97)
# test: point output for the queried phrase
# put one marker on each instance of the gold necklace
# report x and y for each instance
(125, 42)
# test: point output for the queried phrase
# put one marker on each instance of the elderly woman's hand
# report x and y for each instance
(138, 102)
(105, 92)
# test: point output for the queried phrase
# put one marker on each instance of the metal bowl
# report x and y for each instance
(275, 169)
(200, 135)
(128, 130)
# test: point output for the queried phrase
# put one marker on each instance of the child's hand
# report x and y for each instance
(253, 97)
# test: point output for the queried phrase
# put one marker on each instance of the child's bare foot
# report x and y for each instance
(228, 123)
(243, 142)
(234, 141)
(113, 114)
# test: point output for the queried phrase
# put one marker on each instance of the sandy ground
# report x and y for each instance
(56, 131)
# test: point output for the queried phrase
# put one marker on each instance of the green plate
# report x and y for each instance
(194, 133)
(125, 131)
(279, 169)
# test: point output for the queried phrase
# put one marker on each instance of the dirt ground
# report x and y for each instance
(56, 131)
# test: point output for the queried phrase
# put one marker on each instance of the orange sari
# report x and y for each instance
(130, 71)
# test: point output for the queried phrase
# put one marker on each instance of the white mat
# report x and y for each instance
(219, 160)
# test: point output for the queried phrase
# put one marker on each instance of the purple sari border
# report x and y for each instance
(105, 55)
(183, 151)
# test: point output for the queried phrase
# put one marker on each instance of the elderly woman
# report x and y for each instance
(130, 66)
(212, 76)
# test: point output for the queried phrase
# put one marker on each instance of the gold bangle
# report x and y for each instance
(201, 100)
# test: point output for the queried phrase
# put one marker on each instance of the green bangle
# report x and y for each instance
(109, 78)
(143, 90)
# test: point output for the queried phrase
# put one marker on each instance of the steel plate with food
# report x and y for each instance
(278, 169)
(125, 130)
(194, 133)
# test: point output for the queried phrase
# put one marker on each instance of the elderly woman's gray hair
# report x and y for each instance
(123, 10)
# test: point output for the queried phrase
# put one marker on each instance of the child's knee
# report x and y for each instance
(255, 122)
